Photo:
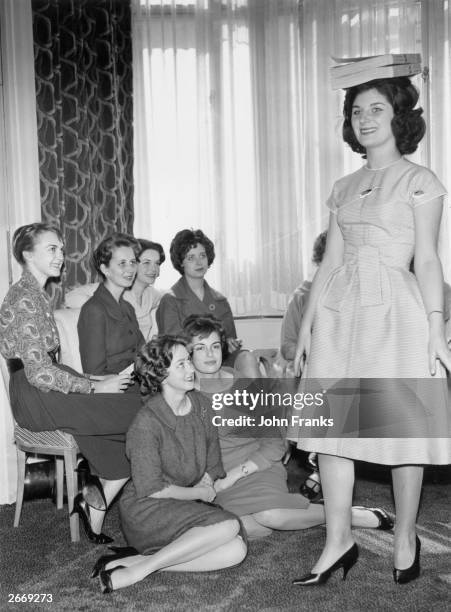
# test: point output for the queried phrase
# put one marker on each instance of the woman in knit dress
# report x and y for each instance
(173, 448)
(369, 317)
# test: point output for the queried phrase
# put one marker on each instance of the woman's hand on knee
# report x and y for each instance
(116, 383)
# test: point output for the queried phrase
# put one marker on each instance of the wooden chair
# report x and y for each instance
(58, 444)
(63, 447)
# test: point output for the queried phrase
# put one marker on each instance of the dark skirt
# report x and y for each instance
(149, 524)
(98, 422)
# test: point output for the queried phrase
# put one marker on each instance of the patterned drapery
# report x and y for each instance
(83, 63)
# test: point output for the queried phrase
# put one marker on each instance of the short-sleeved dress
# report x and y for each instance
(166, 449)
(370, 320)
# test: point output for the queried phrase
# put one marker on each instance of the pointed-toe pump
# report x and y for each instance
(346, 561)
(385, 521)
(82, 509)
(105, 579)
(119, 553)
(402, 576)
(93, 492)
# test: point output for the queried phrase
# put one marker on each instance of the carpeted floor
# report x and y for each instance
(39, 558)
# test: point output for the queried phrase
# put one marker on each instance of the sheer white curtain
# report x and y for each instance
(19, 183)
(238, 132)
(218, 138)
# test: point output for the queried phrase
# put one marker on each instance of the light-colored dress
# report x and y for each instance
(265, 489)
(370, 323)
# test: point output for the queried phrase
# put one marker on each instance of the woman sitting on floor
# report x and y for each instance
(46, 395)
(175, 458)
(192, 253)
(255, 486)
(142, 295)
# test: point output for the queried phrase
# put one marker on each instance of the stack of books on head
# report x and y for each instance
(352, 71)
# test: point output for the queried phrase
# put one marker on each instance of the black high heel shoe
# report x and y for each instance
(385, 522)
(105, 579)
(346, 561)
(92, 490)
(402, 576)
(120, 553)
(82, 509)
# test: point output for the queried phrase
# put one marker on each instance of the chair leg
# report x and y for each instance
(70, 462)
(21, 460)
(59, 461)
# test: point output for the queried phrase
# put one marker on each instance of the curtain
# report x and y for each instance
(19, 185)
(218, 142)
(238, 132)
(85, 112)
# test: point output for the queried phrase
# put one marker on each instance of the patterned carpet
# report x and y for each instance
(39, 558)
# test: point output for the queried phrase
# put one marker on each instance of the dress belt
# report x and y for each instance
(365, 263)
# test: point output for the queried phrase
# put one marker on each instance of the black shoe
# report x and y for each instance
(119, 553)
(82, 509)
(346, 561)
(92, 491)
(402, 576)
(385, 522)
(311, 487)
(105, 579)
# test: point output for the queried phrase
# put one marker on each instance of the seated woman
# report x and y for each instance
(142, 295)
(192, 253)
(108, 331)
(255, 486)
(46, 395)
(175, 458)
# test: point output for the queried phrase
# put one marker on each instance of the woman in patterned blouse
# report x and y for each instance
(46, 395)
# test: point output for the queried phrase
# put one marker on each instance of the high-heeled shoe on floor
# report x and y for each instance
(346, 561)
(105, 579)
(82, 509)
(385, 522)
(120, 553)
(402, 576)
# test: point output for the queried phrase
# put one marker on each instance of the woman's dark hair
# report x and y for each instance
(145, 245)
(407, 125)
(185, 240)
(203, 326)
(104, 252)
(153, 360)
(319, 246)
(25, 238)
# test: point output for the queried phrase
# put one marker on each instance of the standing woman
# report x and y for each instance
(369, 317)
(46, 395)
(142, 295)
(173, 448)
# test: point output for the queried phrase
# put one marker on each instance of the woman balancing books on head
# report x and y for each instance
(370, 319)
